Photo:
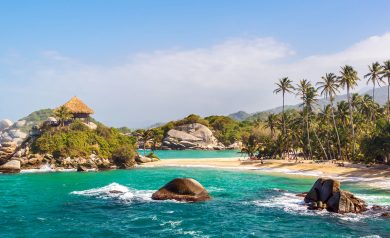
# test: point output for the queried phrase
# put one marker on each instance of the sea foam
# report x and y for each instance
(117, 191)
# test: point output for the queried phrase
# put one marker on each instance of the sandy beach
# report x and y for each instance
(375, 176)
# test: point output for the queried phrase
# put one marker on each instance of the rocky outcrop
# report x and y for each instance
(7, 149)
(11, 132)
(191, 136)
(326, 194)
(182, 189)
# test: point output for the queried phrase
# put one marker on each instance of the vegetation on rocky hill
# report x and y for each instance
(77, 140)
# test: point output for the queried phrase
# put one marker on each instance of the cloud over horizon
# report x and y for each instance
(149, 87)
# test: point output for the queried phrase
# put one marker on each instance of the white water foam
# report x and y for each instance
(46, 169)
(293, 204)
(117, 192)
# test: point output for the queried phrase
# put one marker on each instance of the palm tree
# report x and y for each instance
(271, 123)
(374, 76)
(284, 85)
(302, 90)
(329, 88)
(62, 114)
(386, 74)
(348, 80)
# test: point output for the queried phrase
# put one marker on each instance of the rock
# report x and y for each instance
(313, 194)
(235, 146)
(91, 125)
(191, 136)
(5, 124)
(301, 194)
(182, 189)
(81, 168)
(17, 134)
(20, 124)
(345, 202)
(329, 187)
(143, 159)
(8, 144)
(386, 215)
(12, 166)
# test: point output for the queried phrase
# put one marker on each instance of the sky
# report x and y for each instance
(141, 62)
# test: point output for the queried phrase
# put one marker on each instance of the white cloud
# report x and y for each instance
(169, 84)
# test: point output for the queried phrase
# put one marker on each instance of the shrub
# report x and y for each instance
(124, 156)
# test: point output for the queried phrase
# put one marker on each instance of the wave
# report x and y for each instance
(116, 191)
(292, 204)
(46, 169)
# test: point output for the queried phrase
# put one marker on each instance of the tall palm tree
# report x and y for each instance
(302, 91)
(386, 74)
(348, 80)
(284, 86)
(310, 100)
(329, 88)
(374, 76)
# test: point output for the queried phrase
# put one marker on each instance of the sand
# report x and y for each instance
(376, 176)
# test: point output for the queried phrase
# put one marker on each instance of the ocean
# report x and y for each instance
(244, 204)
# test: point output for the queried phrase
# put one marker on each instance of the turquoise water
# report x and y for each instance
(194, 154)
(245, 204)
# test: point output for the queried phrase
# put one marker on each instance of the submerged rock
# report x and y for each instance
(182, 189)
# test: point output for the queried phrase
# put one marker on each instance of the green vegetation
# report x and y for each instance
(77, 140)
(357, 129)
(62, 114)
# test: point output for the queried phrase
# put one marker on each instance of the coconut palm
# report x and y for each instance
(348, 80)
(386, 74)
(62, 114)
(329, 87)
(374, 76)
(302, 90)
(271, 123)
(284, 86)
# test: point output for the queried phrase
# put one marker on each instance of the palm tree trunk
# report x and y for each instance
(373, 92)
(308, 134)
(388, 98)
(284, 126)
(336, 130)
(352, 127)
(322, 147)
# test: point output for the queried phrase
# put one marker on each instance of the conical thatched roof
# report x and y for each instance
(75, 105)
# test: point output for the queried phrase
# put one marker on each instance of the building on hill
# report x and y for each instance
(78, 109)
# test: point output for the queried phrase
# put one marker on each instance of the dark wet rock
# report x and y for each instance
(182, 189)
(386, 215)
(326, 194)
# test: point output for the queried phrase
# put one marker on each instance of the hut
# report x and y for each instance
(78, 109)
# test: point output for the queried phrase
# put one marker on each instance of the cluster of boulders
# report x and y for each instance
(326, 194)
(191, 136)
(140, 159)
(11, 132)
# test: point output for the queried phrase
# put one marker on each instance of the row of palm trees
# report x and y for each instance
(345, 112)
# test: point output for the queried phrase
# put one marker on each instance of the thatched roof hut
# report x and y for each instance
(78, 108)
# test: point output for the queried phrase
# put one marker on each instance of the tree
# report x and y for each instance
(271, 123)
(348, 79)
(62, 114)
(302, 90)
(284, 85)
(329, 88)
(374, 76)
(386, 74)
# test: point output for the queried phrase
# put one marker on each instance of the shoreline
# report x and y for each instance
(377, 176)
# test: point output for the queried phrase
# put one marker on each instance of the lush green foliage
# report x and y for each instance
(77, 140)
(357, 129)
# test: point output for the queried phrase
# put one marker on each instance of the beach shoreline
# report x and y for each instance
(377, 176)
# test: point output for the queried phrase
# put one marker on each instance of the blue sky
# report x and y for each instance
(43, 42)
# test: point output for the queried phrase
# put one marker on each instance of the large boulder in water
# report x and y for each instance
(12, 166)
(345, 202)
(326, 193)
(182, 189)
